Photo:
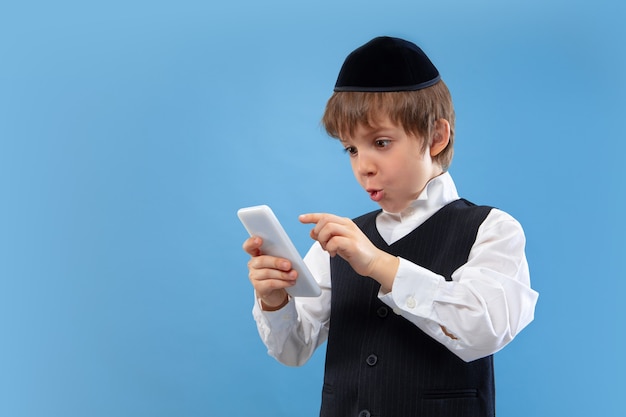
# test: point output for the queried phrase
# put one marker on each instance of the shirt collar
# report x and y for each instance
(438, 192)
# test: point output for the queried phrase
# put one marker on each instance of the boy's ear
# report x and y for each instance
(440, 137)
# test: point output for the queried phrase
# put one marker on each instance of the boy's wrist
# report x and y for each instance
(274, 307)
(385, 270)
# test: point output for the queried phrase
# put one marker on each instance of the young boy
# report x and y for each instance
(418, 296)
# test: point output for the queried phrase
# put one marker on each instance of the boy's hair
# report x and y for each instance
(415, 111)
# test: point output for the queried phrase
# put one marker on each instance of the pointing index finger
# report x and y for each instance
(310, 218)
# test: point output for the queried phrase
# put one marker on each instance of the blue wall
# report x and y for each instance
(131, 132)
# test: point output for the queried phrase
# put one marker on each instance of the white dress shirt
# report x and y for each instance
(487, 303)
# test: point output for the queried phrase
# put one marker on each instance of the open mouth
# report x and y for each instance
(375, 195)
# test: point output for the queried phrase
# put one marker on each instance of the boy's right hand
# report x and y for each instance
(269, 275)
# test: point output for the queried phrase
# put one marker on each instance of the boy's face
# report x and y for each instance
(389, 164)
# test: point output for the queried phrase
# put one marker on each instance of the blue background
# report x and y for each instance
(131, 132)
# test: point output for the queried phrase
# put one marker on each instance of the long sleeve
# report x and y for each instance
(292, 333)
(487, 303)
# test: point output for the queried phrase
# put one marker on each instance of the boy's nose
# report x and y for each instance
(365, 166)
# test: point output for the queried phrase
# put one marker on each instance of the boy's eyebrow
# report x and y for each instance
(381, 131)
(372, 131)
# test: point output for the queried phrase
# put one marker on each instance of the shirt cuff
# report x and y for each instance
(413, 290)
(275, 319)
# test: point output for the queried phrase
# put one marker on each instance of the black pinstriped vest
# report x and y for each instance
(379, 364)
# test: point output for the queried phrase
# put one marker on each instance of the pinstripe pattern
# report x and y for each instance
(380, 365)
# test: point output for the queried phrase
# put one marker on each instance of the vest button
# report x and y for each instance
(382, 312)
(364, 413)
(371, 360)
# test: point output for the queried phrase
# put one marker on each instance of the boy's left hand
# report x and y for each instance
(341, 236)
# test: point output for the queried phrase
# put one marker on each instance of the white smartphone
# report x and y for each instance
(261, 221)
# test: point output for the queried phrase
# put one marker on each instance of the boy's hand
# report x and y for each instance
(269, 275)
(341, 236)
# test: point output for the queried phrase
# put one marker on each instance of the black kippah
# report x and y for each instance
(387, 64)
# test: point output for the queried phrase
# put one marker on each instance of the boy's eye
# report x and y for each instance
(382, 143)
(350, 150)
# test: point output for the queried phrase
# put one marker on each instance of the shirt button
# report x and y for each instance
(371, 360)
(382, 312)
(410, 302)
(364, 413)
